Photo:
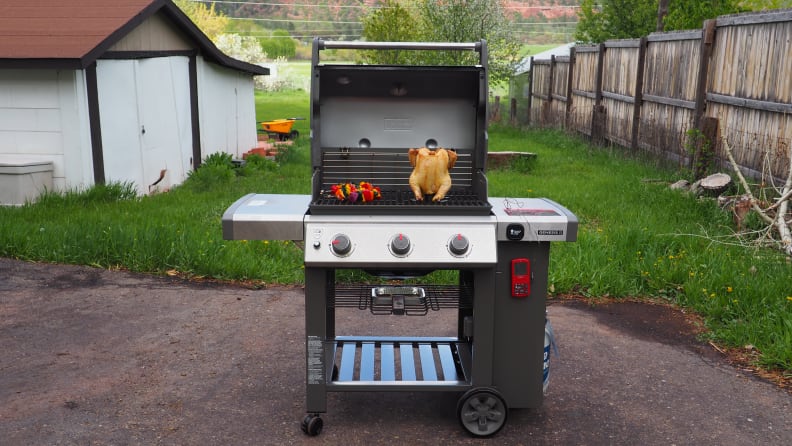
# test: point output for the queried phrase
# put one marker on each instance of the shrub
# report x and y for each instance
(214, 172)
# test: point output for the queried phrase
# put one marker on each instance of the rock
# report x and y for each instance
(680, 185)
(695, 188)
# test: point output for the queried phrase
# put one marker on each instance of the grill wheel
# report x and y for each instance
(482, 411)
(312, 425)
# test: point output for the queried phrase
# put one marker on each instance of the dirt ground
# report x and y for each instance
(90, 356)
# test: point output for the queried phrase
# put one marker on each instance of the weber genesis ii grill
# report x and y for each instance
(364, 121)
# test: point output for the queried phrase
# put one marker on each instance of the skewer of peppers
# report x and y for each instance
(366, 192)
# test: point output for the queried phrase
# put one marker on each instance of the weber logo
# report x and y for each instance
(550, 232)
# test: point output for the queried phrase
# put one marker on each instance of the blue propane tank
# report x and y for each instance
(549, 340)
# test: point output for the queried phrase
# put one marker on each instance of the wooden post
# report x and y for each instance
(530, 92)
(570, 71)
(513, 111)
(705, 54)
(496, 110)
(705, 134)
(600, 69)
(598, 119)
(598, 115)
(547, 107)
(639, 78)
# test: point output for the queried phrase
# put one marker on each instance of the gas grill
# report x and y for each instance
(364, 119)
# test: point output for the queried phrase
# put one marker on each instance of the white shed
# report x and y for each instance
(128, 90)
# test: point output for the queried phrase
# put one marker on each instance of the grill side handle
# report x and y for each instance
(480, 47)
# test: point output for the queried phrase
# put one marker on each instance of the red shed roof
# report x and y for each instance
(74, 33)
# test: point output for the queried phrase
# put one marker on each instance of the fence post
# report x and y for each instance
(513, 111)
(570, 71)
(705, 140)
(547, 106)
(639, 78)
(598, 114)
(530, 92)
(705, 54)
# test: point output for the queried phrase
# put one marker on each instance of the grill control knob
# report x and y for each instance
(458, 245)
(341, 245)
(400, 245)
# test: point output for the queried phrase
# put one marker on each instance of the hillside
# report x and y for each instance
(535, 21)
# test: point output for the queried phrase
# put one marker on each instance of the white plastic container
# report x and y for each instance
(22, 180)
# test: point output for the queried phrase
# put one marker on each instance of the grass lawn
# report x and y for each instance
(636, 238)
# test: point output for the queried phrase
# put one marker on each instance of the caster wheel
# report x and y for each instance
(482, 412)
(312, 425)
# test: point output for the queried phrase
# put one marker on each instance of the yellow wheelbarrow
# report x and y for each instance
(281, 128)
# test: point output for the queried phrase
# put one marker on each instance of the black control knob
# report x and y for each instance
(341, 245)
(400, 244)
(458, 245)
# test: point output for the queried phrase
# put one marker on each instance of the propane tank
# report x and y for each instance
(549, 340)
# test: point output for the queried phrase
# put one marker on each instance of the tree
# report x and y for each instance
(207, 19)
(389, 23)
(662, 12)
(244, 48)
(444, 21)
(691, 14)
(471, 21)
(279, 45)
(763, 5)
(601, 20)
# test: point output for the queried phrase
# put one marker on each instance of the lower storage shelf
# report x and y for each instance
(399, 363)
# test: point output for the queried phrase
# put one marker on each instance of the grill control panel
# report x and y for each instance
(388, 242)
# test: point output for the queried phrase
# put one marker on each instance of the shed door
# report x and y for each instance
(144, 108)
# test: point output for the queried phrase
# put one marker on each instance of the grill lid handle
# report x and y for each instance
(480, 46)
(350, 45)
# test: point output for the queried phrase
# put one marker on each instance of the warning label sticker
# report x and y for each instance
(315, 365)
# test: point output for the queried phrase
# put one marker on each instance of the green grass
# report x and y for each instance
(296, 69)
(636, 237)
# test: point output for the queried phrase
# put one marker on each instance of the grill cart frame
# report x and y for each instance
(364, 119)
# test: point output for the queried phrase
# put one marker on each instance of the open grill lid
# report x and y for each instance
(365, 118)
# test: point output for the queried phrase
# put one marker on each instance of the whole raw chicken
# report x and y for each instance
(430, 172)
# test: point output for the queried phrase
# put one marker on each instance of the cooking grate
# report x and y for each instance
(398, 201)
(389, 169)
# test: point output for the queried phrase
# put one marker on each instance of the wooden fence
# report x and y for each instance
(675, 94)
